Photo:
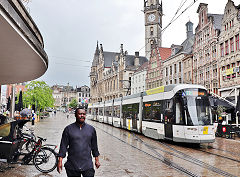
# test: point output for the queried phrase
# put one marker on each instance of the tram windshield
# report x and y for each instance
(198, 110)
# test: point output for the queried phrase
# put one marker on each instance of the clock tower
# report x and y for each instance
(153, 25)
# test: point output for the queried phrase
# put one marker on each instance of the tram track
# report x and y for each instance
(222, 156)
(159, 157)
(229, 152)
(179, 154)
(193, 160)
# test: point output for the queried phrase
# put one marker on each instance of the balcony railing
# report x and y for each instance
(18, 15)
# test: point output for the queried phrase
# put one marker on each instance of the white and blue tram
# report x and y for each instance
(181, 113)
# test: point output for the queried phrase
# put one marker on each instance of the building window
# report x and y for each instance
(214, 51)
(151, 30)
(180, 67)
(166, 71)
(175, 68)
(226, 48)
(170, 70)
(237, 42)
(232, 45)
(222, 49)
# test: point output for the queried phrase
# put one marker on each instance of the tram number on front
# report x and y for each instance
(205, 130)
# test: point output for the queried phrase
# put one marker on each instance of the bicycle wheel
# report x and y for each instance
(45, 160)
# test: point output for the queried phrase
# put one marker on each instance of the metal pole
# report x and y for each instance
(236, 105)
(140, 113)
(12, 107)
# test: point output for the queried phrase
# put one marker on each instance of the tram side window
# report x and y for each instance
(168, 115)
(157, 110)
(100, 111)
(89, 110)
(180, 119)
(131, 110)
(147, 111)
(126, 112)
(107, 111)
(135, 110)
(116, 112)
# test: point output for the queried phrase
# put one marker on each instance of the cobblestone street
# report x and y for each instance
(123, 154)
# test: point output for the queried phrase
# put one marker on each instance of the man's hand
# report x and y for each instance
(97, 163)
(59, 165)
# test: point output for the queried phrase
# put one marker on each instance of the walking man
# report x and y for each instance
(79, 139)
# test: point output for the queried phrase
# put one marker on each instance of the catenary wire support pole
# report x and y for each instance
(12, 107)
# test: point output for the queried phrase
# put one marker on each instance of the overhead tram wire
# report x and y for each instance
(180, 15)
(74, 59)
(173, 20)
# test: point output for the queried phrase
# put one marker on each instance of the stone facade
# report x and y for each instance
(138, 79)
(153, 25)
(63, 95)
(229, 50)
(205, 53)
(111, 72)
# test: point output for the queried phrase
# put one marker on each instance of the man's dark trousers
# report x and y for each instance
(87, 173)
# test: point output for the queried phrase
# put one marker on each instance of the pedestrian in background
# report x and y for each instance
(33, 117)
(79, 139)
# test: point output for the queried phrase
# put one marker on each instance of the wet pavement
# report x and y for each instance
(125, 154)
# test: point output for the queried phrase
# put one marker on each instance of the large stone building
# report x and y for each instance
(63, 95)
(111, 73)
(229, 50)
(153, 25)
(205, 65)
(181, 57)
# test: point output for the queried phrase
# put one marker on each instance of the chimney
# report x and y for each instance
(136, 60)
(101, 47)
(121, 51)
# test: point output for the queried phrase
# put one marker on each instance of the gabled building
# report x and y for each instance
(111, 72)
(155, 67)
(229, 51)
(138, 79)
(205, 53)
(177, 68)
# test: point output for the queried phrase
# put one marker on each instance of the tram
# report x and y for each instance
(181, 113)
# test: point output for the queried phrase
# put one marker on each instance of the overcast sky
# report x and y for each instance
(71, 28)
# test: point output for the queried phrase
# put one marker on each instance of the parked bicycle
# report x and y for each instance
(44, 157)
(15, 142)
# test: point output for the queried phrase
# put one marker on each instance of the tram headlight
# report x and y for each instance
(193, 129)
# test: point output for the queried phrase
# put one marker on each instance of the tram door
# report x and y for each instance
(135, 110)
(124, 116)
(168, 120)
(134, 121)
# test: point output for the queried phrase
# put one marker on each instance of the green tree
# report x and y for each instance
(73, 104)
(39, 94)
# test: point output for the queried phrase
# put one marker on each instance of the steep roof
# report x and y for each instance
(142, 67)
(187, 45)
(165, 52)
(217, 20)
(109, 58)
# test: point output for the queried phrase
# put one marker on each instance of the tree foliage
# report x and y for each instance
(39, 94)
(73, 104)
